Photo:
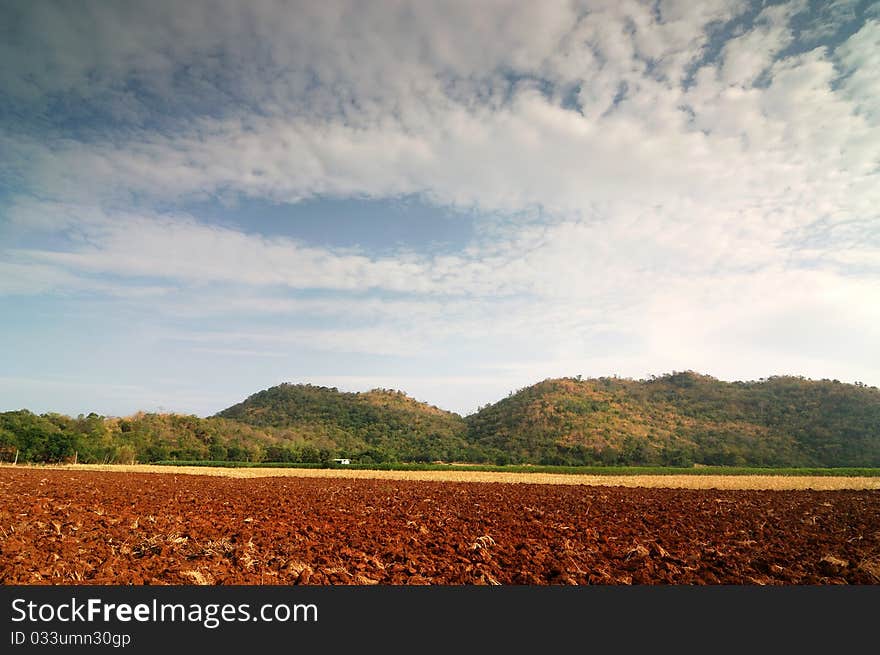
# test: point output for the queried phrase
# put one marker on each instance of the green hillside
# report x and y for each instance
(684, 418)
(678, 419)
(288, 423)
(379, 425)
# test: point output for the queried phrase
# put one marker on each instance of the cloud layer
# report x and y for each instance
(654, 186)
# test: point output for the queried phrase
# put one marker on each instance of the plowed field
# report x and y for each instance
(88, 527)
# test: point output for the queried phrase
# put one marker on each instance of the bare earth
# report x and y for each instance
(74, 526)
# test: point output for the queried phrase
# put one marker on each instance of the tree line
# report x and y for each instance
(679, 419)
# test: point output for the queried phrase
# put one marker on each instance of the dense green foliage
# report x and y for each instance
(684, 418)
(141, 437)
(373, 427)
(290, 423)
(675, 420)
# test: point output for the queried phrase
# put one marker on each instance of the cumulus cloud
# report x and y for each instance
(859, 57)
(669, 180)
(592, 109)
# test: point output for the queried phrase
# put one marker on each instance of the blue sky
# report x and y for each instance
(202, 200)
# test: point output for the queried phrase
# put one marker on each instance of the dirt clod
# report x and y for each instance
(167, 529)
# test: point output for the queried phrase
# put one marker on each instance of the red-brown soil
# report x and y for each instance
(64, 527)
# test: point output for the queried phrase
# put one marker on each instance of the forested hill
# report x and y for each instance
(381, 425)
(678, 419)
(288, 423)
(684, 418)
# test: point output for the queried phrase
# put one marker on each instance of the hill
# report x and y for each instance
(376, 426)
(684, 418)
(287, 423)
(678, 419)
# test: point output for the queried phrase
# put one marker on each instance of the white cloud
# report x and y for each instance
(31, 278)
(859, 57)
(717, 145)
(745, 57)
(618, 207)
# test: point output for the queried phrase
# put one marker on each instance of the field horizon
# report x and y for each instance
(669, 481)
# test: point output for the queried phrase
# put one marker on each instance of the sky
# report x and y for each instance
(456, 199)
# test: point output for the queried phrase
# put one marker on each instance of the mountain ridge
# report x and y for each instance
(678, 419)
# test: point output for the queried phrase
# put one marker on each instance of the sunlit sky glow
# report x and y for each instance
(457, 199)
